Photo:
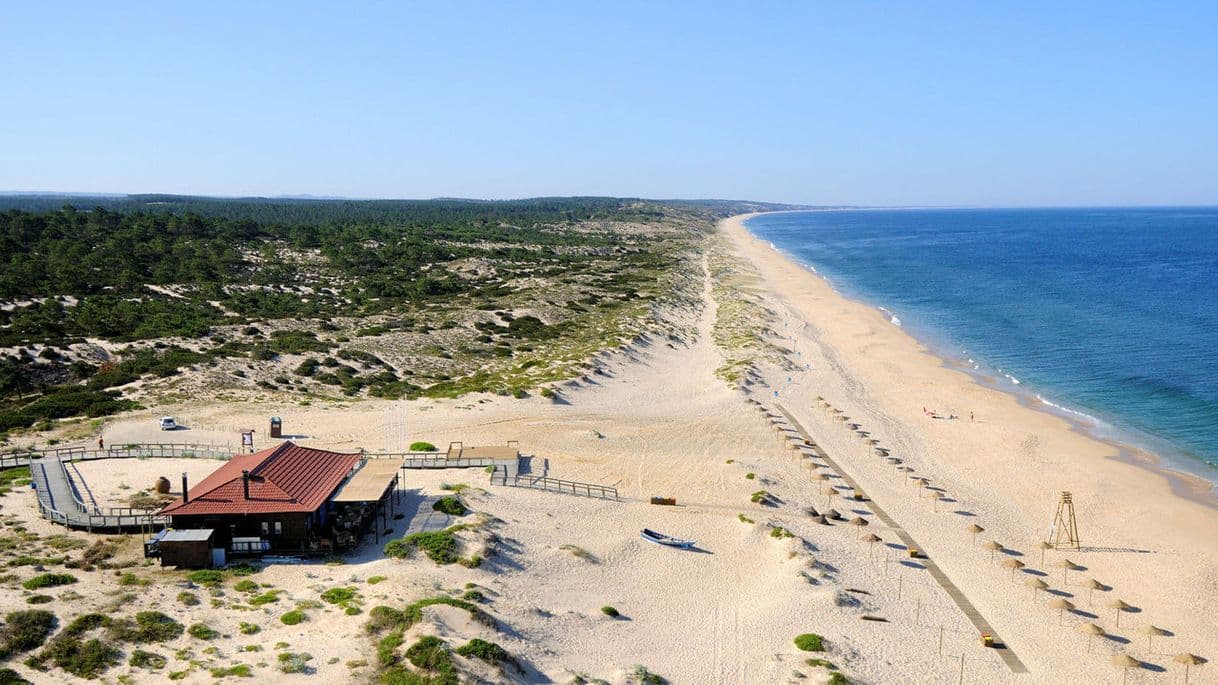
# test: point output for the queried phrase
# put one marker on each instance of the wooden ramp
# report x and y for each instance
(1008, 656)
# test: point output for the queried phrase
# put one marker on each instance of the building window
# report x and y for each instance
(278, 528)
(266, 528)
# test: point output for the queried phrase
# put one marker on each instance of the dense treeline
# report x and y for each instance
(397, 212)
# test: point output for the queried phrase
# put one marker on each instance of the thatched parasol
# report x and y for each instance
(1092, 585)
(1044, 546)
(834, 514)
(994, 546)
(822, 520)
(1125, 662)
(974, 529)
(1091, 630)
(871, 539)
(1119, 605)
(859, 521)
(935, 500)
(1013, 564)
(1151, 632)
(1188, 660)
(1062, 605)
(1066, 566)
(1036, 584)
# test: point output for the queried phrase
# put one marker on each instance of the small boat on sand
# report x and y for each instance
(662, 539)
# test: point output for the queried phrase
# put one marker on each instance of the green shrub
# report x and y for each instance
(373, 580)
(645, 677)
(450, 505)
(422, 447)
(439, 545)
(130, 579)
(810, 642)
(387, 649)
(292, 662)
(206, 577)
(49, 580)
(238, 670)
(837, 678)
(25, 630)
(759, 497)
(744, 519)
(189, 599)
(10, 677)
(84, 659)
(472, 596)
(293, 617)
(339, 595)
(266, 598)
(149, 660)
(246, 585)
(39, 599)
(487, 651)
(203, 632)
(610, 611)
(249, 628)
(750, 476)
(430, 654)
(150, 626)
(353, 610)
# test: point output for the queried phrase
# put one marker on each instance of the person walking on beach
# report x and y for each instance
(101, 443)
(970, 416)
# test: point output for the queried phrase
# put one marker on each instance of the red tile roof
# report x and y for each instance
(286, 478)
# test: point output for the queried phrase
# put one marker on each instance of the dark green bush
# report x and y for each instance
(422, 447)
(149, 660)
(294, 617)
(25, 630)
(450, 505)
(206, 577)
(49, 580)
(487, 651)
(610, 611)
(203, 632)
(810, 642)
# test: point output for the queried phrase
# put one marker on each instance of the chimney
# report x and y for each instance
(185, 497)
(245, 483)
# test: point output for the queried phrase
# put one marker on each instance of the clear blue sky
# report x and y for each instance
(837, 103)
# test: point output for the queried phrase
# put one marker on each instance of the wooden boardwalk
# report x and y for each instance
(1008, 656)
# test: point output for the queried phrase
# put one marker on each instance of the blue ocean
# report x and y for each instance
(1109, 315)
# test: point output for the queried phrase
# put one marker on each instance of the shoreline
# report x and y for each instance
(1190, 484)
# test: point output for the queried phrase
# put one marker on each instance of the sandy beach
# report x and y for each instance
(652, 418)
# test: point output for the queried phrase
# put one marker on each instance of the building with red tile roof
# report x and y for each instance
(280, 495)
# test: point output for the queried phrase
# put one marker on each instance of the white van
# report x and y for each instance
(168, 424)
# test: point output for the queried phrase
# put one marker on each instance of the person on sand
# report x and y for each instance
(101, 443)
(970, 416)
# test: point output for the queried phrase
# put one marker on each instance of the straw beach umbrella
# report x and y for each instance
(1062, 605)
(1091, 630)
(1188, 660)
(871, 539)
(1066, 566)
(994, 546)
(935, 500)
(1036, 584)
(1092, 585)
(1043, 547)
(1125, 662)
(858, 522)
(1151, 632)
(1119, 605)
(1013, 564)
(974, 529)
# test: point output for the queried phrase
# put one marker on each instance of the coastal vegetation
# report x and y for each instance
(103, 308)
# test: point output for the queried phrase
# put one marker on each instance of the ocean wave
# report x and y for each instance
(1067, 410)
(892, 318)
(1011, 378)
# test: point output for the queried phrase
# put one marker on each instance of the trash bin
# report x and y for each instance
(276, 427)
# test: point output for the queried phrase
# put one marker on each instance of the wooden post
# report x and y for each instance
(940, 640)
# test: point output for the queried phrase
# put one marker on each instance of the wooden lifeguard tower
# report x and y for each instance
(1065, 527)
